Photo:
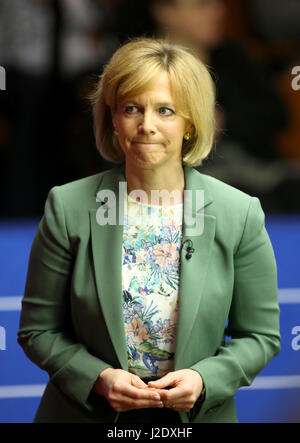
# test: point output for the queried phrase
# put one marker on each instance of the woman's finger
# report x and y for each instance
(174, 395)
(138, 382)
(126, 404)
(179, 406)
(127, 390)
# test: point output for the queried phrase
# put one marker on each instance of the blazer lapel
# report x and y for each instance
(193, 271)
(107, 261)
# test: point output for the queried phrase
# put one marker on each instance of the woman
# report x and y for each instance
(126, 307)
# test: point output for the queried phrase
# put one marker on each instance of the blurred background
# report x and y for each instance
(52, 52)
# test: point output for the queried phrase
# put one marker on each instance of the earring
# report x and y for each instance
(116, 132)
(187, 136)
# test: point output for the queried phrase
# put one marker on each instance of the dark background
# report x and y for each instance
(52, 51)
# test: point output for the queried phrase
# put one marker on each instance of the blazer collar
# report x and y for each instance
(107, 260)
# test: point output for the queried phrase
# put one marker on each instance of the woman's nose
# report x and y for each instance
(147, 125)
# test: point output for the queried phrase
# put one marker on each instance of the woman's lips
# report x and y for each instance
(145, 143)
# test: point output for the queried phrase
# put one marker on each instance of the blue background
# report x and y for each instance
(253, 404)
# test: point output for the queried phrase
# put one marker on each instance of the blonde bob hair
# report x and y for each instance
(132, 70)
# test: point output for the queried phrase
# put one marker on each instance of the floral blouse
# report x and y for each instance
(150, 282)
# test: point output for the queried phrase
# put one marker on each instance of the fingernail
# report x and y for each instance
(156, 397)
(160, 404)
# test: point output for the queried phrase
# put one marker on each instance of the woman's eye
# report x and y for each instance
(130, 109)
(166, 111)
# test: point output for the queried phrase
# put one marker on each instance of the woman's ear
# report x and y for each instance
(113, 117)
(190, 128)
(113, 120)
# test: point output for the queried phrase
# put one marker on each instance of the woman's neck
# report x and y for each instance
(169, 180)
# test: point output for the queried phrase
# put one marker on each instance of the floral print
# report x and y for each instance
(150, 281)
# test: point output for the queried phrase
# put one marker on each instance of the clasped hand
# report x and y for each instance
(125, 391)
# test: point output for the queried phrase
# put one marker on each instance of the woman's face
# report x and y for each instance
(150, 131)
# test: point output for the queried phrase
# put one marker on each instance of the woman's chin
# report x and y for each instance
(145, 160)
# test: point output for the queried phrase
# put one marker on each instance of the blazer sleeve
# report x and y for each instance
(253, 322)
(45, 330)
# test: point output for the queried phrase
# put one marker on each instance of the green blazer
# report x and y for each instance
(71, 322)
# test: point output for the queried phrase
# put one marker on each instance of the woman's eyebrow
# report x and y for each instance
(167, 104)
